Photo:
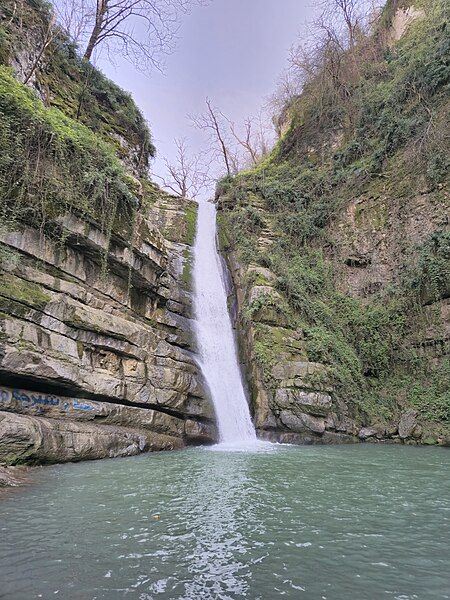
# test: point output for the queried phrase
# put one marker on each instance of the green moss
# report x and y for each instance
(80, 349)
(373, 213)
(186, 275)
(23, 291)
(191, 223)
(223, 237)
(271, 343)
(5, 45)
(51, 163)
(431, 396)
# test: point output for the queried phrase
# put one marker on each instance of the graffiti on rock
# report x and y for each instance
(32, 399)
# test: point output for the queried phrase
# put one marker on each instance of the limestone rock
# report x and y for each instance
(35, 440)
(118, 359)
(302, 422)
(314, 403)
(367, 432)
(262, 273)
(202, 432)
(295, 369)
(11, 476)
(408, 422)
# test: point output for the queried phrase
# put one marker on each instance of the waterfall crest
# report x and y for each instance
(215, 335)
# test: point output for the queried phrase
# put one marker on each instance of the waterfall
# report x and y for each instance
(215, 335)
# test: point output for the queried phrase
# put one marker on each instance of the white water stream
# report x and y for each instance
(215, 336)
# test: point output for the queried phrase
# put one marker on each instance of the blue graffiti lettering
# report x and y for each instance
(82, 405)
(21, 397)
(45, 400)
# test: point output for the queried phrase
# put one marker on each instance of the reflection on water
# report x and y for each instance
(219, 500)
(362, 522)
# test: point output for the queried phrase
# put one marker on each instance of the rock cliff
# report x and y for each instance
(338, 244)
(96, 353)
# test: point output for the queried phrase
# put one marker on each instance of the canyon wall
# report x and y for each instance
(338, 245)
(96, 344)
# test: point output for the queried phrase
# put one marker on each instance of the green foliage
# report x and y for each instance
(431, 396)
(268, 304)
(270, 344)
(51, 163)
(431, 277)
(191, 223)
(240, 226)
(73, 85)
(5, 45)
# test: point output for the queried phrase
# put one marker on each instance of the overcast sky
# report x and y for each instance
(230, 50)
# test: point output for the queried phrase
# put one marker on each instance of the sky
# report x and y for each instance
(232, 51)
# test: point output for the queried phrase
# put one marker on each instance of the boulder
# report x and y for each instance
(367, 432)
(407, 423)
(302, 422)
(11, 476)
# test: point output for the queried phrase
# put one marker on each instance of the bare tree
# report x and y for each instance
(215, 124)
(247, 140)
(139, 30)
(187, 174)
(254, 139)
(48, 34)
(74, 17)
(235, 147)
(344, 19)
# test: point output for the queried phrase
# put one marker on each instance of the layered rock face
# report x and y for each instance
(288, 406)
(293, 398)
(103, 361)
(96, 343)
(316, 246)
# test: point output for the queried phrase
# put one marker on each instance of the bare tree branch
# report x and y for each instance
(212, 122)
(187, 175)
(48, 36)
(141, 31)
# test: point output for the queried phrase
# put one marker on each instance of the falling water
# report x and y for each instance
(217, 347)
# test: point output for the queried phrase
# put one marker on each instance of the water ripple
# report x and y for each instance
(336, 523)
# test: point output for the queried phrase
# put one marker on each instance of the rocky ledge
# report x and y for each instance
(291, 399)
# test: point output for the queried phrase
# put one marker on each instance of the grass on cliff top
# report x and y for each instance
(74, 86)
(51, 163)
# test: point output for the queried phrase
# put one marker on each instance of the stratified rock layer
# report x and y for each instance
(95, 346)
(312, 230)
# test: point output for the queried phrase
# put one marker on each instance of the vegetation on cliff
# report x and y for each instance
(67, 82)
(371, 123)
(51, 163)
(72, 140)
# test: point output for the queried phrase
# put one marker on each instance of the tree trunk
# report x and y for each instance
(102, 6)
(48, 36)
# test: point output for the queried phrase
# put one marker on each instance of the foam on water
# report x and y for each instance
(216, 340)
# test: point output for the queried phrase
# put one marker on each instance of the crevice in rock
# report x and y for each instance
(61, 388)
